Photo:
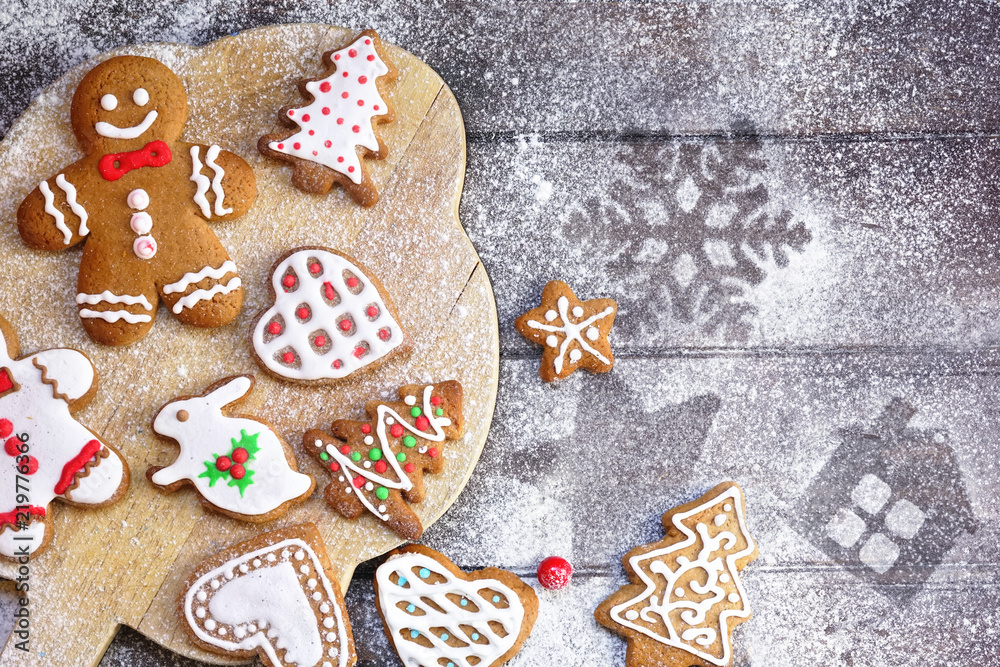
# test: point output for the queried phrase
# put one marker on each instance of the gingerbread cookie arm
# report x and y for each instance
(52, 217)
(223, 186)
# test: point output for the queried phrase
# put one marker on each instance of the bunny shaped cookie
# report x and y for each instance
(239, 465)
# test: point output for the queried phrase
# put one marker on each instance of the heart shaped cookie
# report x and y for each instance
(273, 596)
(436, 614)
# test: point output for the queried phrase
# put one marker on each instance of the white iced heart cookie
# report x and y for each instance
(435, 614)
(330, 318)
(273, 596)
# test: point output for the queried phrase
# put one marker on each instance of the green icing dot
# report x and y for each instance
(415, 411)
(401, 457)
(410, 441)
(439, 412)
(381, 493)
(375, 454)
(323, 456)
(355, 456)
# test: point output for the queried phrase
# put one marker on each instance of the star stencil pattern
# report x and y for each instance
(572, 333)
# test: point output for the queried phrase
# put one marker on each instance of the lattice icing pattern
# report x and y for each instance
(277, 600)
(437, 618)
(329, 319)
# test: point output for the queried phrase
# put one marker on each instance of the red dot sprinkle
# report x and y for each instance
(305, 118)
(366, 428)
(350, 170)
(435, 400)
(329, 292)
(274, 328)
(340, 121)
(296, 145)
(356, 128)
(409, 467)
(312, 132)
(368, 41)
(362, 79)
(380, 467)
(352, 282)
(6, 428)
(344, 95)
(288, 357)
(32, 465)
(345, 75)
(359, 481)
(288, 281)
(326, 111)
(345, 450)
(324, 87)
(238, 471)
(11, 446)
(375, 107)
(320, 341)
(340, 159)
(281, 147)
(361, 103)
(328, 143)
(315, 268)
(371, 58)
(345, 325)
(359, 352)
(291, 112)
(352, 52)
(396, 431)
(315, 153)
(423, 423)
(372, 311)
(334, 466)
(240, 455)
(223, 463)
(384, 334)
(432, 452)
(303, 313)
(337, 364)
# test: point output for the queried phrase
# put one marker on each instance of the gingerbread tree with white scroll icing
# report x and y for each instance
(379, 464)
(686, 595)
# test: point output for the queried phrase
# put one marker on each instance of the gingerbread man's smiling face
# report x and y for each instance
(126, 102)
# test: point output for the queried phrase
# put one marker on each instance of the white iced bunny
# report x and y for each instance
(48, 453)
(238, 464)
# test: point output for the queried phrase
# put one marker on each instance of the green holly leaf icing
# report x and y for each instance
(247, 442)
(211, 472)
(243, 483)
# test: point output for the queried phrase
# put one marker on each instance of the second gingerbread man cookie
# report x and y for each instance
(140, 201)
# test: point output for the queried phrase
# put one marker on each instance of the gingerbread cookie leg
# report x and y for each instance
(204, 289)
(27, 538)
(116, 307)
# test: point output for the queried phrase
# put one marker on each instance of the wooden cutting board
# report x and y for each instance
(125, 564)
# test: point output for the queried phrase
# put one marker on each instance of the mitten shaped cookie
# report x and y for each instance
(337, 130)
(49, 454)
(378, 464)
(140, 201)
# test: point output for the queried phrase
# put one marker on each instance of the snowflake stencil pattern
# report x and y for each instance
(701, 213)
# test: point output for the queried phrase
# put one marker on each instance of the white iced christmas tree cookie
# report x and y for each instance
(239, 465)
(273, 596)
(337, 129)
(330, 318)
(686, 595)
(49, 454)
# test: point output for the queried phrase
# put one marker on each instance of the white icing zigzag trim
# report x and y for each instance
(114, 316)
(205, 295)
(78, 209)
(208, 272)
(54, 212)
(220, 195)
(203, 183)
(109, 297)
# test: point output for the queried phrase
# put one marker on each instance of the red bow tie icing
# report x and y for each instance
(115, 165)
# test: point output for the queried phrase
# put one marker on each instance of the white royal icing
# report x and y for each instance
(40, 412)
(207, 432)
(571, 332)
(203, 183)
(266, 606)
(144, 247)
(54, 212)
(194, 277)
(190, 300)
(141, 222)
(114, 132)
(70, 191)
(114, 316)
(138, 199)
(309, 290)
(340, 118)
(678, 609)
(109, 297)
(420, 593)
(386, 417)
(109, 102)
(141, 97)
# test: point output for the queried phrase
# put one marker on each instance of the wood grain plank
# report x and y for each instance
(610, 68)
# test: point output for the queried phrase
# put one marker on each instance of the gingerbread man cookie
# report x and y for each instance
(140, 200)
(49, 454)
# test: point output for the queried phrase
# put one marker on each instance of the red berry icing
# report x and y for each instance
(32, 465)
(337, 363)
(396, 431)
(288, 281)
(223, 463)
(384, 334)
(352, 282)
(240, 455)
(6, 428)
(352, 52)
(288, 357)
(303, 313)
(345, 325)
(372, 311)
(371, 58)
(362, 79)
(329, 292)
(237, 471)
(319, 341)
(274, 328)
(324, 87)
(315, 268)
(359, 351)
(554, 573)
(11, 446)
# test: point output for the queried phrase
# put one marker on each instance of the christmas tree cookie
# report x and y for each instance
(378, 464)
(330, 318)
(686, 595)
(337, 129)
(239, 465)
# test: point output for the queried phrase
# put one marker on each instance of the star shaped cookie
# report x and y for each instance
(572, 333)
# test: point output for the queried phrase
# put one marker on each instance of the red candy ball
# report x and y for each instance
(223, 463)
(345, 325)
(396, 431)
(423, 423)
(380, 467)
(274, 328)
(241, 455)
(238, 471)
(320, 341)
(288, 357)
(303, 313)
(372, 311)
(366, 428)
(32, 465)
(12, 446)
(6, 428)
(288, 281)
(554, 573)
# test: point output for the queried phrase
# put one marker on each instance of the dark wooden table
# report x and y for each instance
(795, 205)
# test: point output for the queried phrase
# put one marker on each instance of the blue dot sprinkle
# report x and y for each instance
(414, 634)
(424, 573)
(464, 602)
(411, 608)
(451, 664)
(444, 636)
(475, 636)
(402, 582)
(496, 599)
